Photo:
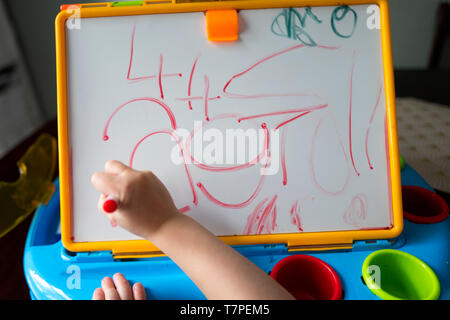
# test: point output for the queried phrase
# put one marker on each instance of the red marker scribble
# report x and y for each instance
(366, 141)
(350, 116)
(291, 119)
(262, 219)
(185, 209)
(206, 79)
(231, 168)
(312, 167)
(197, 98)
(277, 113)
(160, 76)
(148, 99)
(178, 140)
(283, 154)
(244, 203)
(131, 63)
(368, 128)
(283, 144)
(357, 211)
(240, 205)
(376, 104)
(254, 217)
(190, 81)
(243, 96)
(295, 216)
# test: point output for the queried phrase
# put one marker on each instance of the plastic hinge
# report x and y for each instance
(97, 256)
(261, 250)
(364, 245)
(246, 250)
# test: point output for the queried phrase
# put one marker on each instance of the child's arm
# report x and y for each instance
(146, 209)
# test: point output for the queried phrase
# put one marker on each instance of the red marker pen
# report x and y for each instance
(111, 204)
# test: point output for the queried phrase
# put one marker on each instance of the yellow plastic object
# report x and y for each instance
(222, 25)
(20, 198)
(295, 241)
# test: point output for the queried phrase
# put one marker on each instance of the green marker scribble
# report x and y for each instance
(290, 24)
(335, 17)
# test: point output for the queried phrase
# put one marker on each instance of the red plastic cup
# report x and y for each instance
(421, 205)
(307, 278)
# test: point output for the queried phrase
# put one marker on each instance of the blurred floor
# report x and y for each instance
(424, 139)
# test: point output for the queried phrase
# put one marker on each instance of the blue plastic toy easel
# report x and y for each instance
(54, 273)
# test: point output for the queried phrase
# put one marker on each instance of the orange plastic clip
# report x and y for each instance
(222, 25)
(69, 6)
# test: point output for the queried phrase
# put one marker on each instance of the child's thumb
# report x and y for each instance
(105, 183)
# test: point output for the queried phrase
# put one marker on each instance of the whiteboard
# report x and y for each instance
(306, 82)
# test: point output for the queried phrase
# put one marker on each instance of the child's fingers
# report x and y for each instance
(115, 167)
(98, 294)
(106, 183)
(100, 202)
(123, 287)
(109, 289)
(139, 292)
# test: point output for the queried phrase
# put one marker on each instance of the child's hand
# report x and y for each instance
(147, 210)
(144, 202)
(118, 288)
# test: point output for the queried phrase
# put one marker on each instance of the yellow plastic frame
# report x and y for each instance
(294, 241)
